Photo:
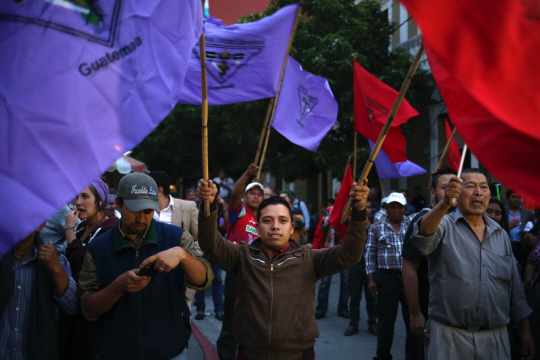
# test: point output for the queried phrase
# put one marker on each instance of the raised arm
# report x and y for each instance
(430, 222)
(217, 248)
(337, 258)
(240, 185)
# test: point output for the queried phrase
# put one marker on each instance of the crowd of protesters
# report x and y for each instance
(112, 275)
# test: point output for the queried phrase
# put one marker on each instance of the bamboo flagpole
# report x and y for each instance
(261, 138)
(348, 206)
(269, 127)
(443, 155)
(204, 109)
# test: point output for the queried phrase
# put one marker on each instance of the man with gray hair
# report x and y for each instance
(475, 288)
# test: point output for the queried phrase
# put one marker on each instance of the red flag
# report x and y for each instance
(373, 101)
(318, 236)
(341, 200)
(488, 76)
(453, 156)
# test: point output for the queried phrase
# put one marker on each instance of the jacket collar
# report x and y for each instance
(256, 245)
(121, 242)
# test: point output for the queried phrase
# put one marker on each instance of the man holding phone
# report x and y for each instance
(141, 316)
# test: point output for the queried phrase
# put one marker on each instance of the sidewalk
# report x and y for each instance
(330, 345)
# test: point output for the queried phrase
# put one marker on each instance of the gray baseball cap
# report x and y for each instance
(139, 192)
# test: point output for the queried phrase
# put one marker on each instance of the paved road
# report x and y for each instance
(331, 344)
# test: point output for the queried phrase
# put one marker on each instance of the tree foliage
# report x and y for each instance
(330, 34)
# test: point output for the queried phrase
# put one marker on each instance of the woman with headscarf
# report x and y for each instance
(90, 205)
(76, 334)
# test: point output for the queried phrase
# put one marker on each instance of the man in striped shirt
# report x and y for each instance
(383, 266)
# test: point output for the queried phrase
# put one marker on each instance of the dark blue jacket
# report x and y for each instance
(154, 322)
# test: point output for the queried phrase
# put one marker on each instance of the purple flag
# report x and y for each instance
(81, 84)
(386, 169)
(306, 108)
(243, 61)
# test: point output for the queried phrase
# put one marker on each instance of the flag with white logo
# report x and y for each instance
(306, 108)
(82, 83)
(243, 61)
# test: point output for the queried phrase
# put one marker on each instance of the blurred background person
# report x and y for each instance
(76, 334)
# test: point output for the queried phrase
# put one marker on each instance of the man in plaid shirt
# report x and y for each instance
(383, 266)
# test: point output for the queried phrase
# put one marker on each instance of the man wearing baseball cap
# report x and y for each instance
(383, 268)
(140, 317)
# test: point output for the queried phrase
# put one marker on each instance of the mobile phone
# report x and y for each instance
(148, 270)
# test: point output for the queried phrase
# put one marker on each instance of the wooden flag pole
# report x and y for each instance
(348, 206)
(439, 164)
(261, 138)
(204, 107)
(382, 188)
(354, 157)
(298, 13)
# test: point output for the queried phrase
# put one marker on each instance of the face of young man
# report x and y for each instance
(253, 198)
(514, 201)
(134, 223)
(474, 197)
(395, 212)
(275, 227)
(438, 193)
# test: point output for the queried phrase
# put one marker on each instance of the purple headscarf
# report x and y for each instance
(102, 190)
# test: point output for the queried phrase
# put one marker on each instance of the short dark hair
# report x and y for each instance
(404, 191)
(509, 192)
(445, 170)
(273, 200)
(472, 171)
(162, 180)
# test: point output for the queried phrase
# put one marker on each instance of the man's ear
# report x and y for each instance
(160, 190)
(292, 227)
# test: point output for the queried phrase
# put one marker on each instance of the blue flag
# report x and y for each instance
(386, 169)
(243, 61)
(81, 84)
(306, 108)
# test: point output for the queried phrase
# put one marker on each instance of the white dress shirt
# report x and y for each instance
(165, 215)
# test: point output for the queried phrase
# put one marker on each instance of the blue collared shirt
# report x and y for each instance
(14, 320)
(515, 233)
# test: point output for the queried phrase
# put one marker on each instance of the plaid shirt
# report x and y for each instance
(383, 245)
(330, 239)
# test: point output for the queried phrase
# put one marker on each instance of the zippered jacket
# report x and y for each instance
(274, 313)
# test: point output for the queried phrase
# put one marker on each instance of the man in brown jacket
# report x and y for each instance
(276, 278)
